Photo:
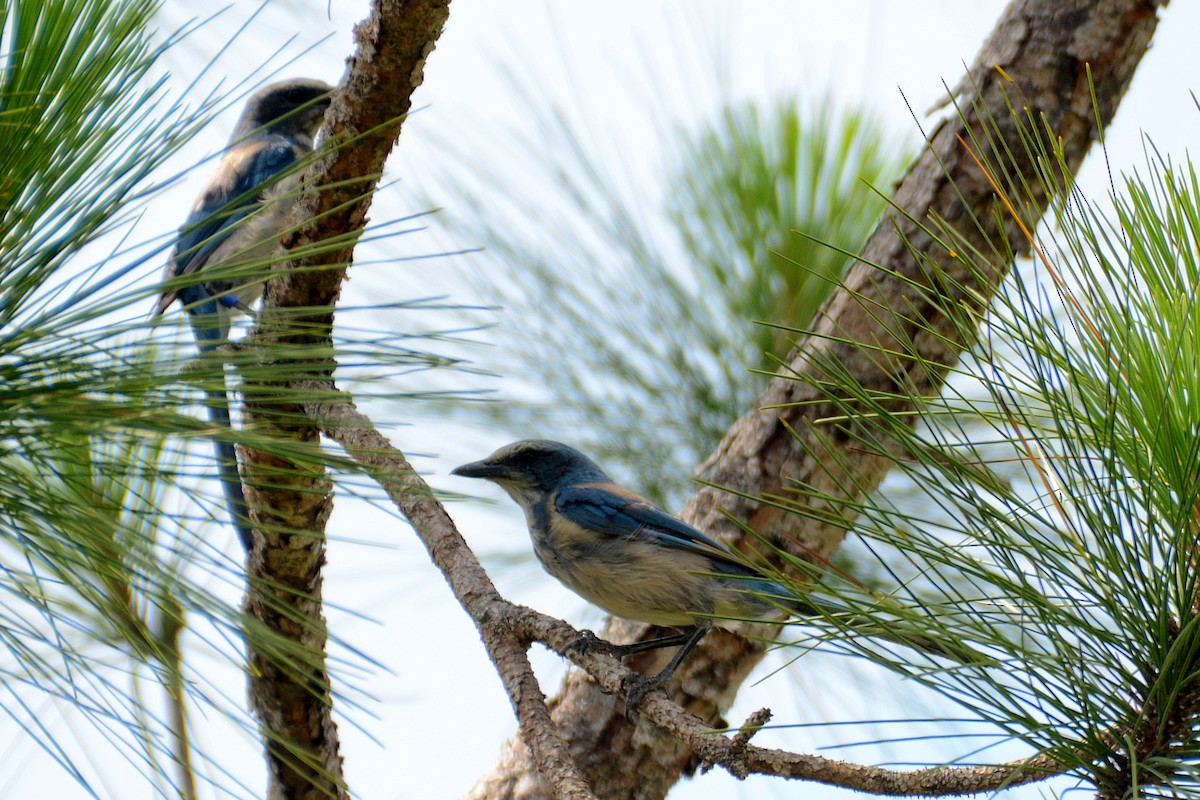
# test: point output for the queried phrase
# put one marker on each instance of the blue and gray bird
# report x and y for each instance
(618, 550)
(231, 237)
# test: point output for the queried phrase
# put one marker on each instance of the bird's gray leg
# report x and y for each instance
(589, 642)
(636, 687)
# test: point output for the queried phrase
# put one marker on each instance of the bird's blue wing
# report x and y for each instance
(234, 191)
(245, 171)
(610, 510)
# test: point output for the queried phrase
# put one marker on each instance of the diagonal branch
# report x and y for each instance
(506, 642)
(886, 331)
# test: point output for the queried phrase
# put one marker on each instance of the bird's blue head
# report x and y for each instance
(534, 464)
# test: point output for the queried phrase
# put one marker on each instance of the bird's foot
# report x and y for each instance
(588, 642)
(635, 688)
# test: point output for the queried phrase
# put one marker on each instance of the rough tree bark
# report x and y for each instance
(1045, 47)
(291, 499)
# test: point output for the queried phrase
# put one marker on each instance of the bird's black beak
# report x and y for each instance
(479, 469)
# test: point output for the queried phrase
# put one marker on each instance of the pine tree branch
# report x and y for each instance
(291, 499)
(1047, 48)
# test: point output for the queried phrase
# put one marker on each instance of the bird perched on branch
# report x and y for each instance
(224, 249)
(618, 550)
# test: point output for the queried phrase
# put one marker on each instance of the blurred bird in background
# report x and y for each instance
(232, 236)
(618, 550)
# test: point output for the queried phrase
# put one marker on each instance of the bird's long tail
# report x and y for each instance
(227, 467)
(858, 625)
(209, 334)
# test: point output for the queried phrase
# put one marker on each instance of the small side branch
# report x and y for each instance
(506, 643)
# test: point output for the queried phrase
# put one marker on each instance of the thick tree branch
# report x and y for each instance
(1046, 46)
(290, 497)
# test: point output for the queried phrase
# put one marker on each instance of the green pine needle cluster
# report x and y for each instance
(1054, 523)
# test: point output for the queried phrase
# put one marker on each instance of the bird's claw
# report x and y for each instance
(588, 642)
(635, 689)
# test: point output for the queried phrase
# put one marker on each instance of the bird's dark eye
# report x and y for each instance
(523, 458)
(528, 460)
(299, 97)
